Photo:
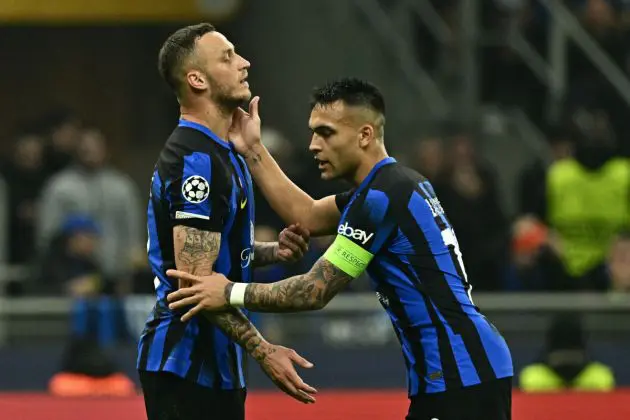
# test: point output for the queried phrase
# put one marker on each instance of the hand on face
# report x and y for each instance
(245, 130)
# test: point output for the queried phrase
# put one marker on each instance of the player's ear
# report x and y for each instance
(366, 135)
(197, 80)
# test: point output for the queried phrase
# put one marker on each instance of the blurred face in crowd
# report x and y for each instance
(462, 151)
(92, 150)
(430, 157)
(341, 136)
(216, 69)
(83, 244)
(619, 264)
(599, 13)
(29, 151)
(66, 135)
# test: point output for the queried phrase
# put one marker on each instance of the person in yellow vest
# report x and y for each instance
(587, 204)
(565, 364)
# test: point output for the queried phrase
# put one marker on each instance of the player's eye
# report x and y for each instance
(324, 132)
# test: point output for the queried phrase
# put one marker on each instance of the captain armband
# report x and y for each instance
(348, 256)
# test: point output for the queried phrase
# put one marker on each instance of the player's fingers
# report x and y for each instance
(287, 243)
(182, 275)
(306, 398)
(284, 254)
(194, 311)
(253, 107)
(302, 231)
(299, 360)
(180, 294)
(298, 394)
(302, 388)
(297, 239)
(182, 303)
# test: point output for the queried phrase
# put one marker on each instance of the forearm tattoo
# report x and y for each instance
(195, 252)
(265, 253)
(309, 291)
(236, 326)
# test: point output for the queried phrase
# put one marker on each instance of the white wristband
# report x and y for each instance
(237, 295)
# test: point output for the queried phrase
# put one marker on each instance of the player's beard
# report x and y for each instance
(222, 96)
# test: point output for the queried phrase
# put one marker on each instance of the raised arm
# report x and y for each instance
(292, 204)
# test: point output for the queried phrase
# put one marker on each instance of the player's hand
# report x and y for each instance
(292, 243)
(277, 363)
(245, 130)
(207, 293)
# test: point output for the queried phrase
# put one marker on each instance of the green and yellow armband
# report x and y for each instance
(348, 256)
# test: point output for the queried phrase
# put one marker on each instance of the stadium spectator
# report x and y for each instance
(531, 182)
(429, 158)
(25, 176)
(565, 363)
(107, 195)
(586, 202)
(469, 194)
(70, 265)
(614, 274)
(97, 320)
(534, 264)
(64, 130)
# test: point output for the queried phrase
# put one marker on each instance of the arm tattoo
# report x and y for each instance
(236, 326)
(265, 253)
(253, 157)
(195, 252)
(309, 291)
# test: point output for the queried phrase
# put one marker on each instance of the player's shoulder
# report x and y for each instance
(185, 140)
(396, 180)
(189, 147)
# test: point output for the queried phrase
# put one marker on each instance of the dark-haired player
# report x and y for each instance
(392, 224)
(200, 220)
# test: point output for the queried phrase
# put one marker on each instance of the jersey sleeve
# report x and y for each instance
(198, 190)
(342, 199)
(363, 231)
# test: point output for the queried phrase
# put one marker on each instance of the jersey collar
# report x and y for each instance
(379, 165)
(205, 130)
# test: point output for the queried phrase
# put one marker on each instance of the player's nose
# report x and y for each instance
(244, 63)
(315, 145)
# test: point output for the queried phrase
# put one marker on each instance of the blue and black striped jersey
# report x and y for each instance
(420, 280)
(199, 181)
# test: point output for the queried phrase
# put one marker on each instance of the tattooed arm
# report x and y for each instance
(306, 292)
(265, 253)
(195, 253)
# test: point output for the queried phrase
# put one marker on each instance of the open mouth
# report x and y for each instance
(321, 164)
(244, 82)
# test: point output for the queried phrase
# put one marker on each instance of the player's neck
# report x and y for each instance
(210, 115)
(367, 164)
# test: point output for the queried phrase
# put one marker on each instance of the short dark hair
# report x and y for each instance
(176, 50)
(351, 91)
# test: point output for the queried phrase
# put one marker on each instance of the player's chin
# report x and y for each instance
(328, 175)
(243, 94)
